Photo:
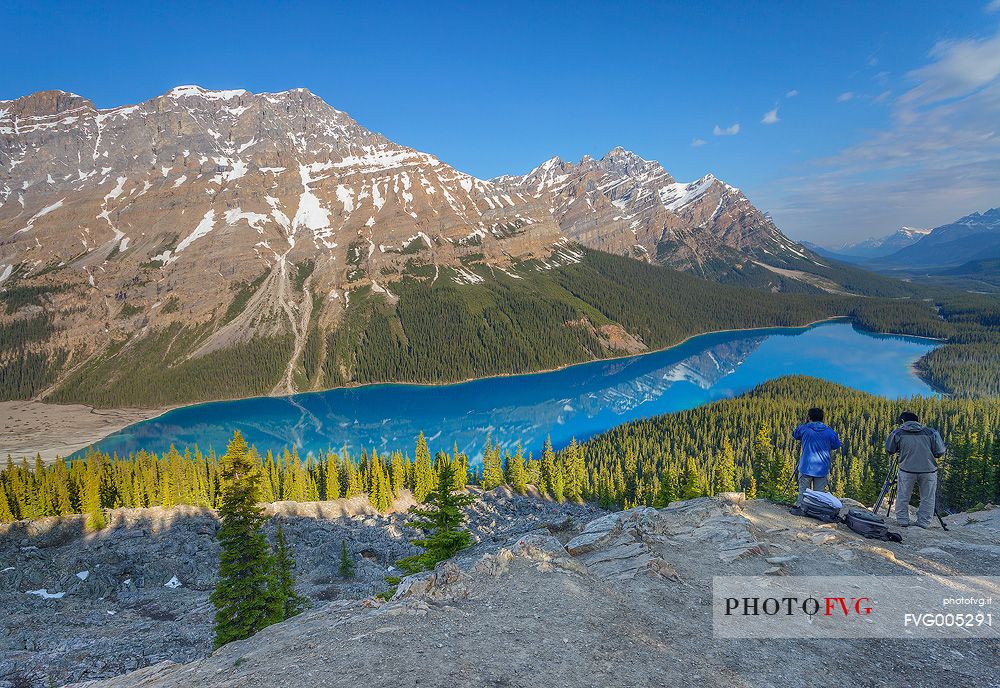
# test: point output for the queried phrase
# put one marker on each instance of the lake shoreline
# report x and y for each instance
(54, 443)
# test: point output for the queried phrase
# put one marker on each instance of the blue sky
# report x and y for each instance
(886, 113)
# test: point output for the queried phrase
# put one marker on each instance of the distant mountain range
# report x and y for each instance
(970, 238)
(876, 246)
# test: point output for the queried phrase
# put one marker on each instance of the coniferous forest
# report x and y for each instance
(438, 331)
(735, 444)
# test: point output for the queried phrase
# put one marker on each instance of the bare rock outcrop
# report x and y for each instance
(586, 607)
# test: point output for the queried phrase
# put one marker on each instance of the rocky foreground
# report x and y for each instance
(79, 606)
(624, 600)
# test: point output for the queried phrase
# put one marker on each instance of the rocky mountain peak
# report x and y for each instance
(43, 104)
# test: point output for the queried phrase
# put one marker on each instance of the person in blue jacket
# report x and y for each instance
(818, 440)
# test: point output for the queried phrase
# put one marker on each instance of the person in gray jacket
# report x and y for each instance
(918, 447)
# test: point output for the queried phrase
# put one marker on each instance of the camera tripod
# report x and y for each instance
(889, 489)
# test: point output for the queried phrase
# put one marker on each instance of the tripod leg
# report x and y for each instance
(889, 502)
(793, 477)
(890, 481)
(941, 521)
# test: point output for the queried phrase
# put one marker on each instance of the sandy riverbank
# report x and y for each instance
(28, 428)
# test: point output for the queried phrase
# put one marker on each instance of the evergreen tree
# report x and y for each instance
(725, 474)
(332, 477)
(516, 474)
(442, 521)
(575, 472)
(244, 598)
(380, 492)
(768, 463)
(346, 568)
(492, 468)
(167, 490)
(6, 514)
(423, 473)
(548, 468)
(558, 484)
(284, 579)
(92, 497)
(397, 472)
(460, 466)
(666, 494)
(691, 482)
(355, 481)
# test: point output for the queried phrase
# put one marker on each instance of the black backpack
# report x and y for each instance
(820, 510)
(872, 526)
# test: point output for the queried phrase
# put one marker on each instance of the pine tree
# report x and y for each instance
(92, 497)
(558, 484)
(666, 494)
(460, 469)
(167, 490)
(423, 473)
(397, 472)
(548, 468)
(516, 474)
(492, 469)
(575, 472)
(691, 486)
(6, 514)
(355, 481)
(379, 493)
(725, 474)
(244, 597)
(332, 477)
(442, 521)
(769, 464)
(291, 602)
(266, 486)
(346, 568)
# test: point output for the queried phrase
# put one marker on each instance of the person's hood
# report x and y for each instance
(816, 425)
(912, 426)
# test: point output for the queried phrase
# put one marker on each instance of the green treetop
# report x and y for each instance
(245, 597)
(441, 519)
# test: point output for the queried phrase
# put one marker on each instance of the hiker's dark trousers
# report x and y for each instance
(927, 484)
(811, 482)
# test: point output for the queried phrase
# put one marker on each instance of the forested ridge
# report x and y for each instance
(735, 444)
(438, 331)
(444, 332)
(746, 443)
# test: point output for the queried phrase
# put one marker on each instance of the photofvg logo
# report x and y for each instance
(856, 607)
(788, 606)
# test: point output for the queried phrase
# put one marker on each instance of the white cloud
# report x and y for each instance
(770, 117)
(958, 69)
(698, 143)
(937, 159)
(794, 92)
(993, 6)
(846, 96)
(731, 130)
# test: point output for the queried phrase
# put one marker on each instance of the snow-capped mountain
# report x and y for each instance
(623, 203)
(976, 235)
(884, 245)
(248, 215)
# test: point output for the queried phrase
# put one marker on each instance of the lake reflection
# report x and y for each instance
(578, 401)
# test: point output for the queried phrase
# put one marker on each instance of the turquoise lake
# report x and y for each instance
(578, 401)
